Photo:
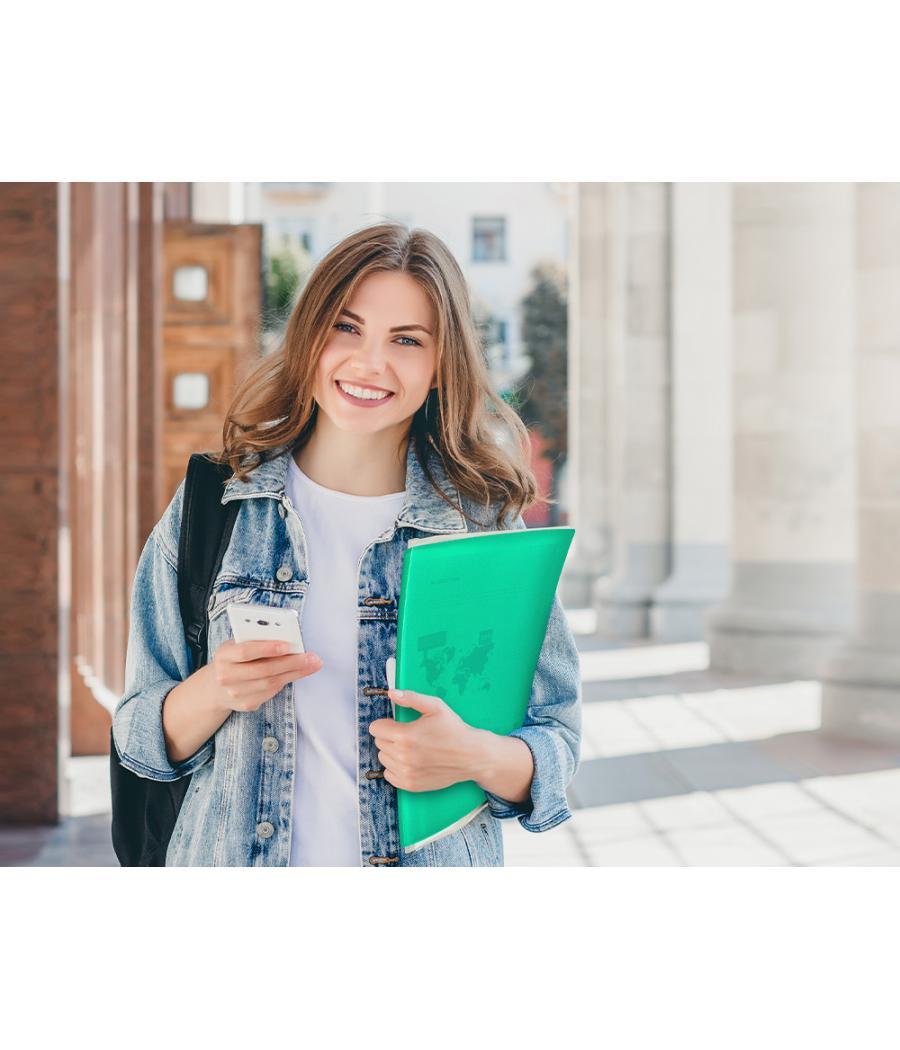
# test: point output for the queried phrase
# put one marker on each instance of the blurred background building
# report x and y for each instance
(710, 372)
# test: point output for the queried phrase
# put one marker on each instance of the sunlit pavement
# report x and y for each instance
(679, 766)
(685, 766)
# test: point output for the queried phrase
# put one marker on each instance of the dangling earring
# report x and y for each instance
(427, 399)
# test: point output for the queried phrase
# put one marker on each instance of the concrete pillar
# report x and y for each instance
(861, 687)
(638, 415)
(794, 545)
(701, 411)
(213, 201)
(595, 277)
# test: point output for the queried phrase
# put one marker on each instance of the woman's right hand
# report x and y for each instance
(247, 674)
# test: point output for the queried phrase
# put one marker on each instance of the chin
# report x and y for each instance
(366, 421)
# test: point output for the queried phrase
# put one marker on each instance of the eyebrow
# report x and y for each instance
(396, 328)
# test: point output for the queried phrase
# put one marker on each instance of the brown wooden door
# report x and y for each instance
(212, 302)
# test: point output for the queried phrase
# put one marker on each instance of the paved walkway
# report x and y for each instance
(679, 766)
(684, 766)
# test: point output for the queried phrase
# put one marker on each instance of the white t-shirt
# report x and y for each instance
(338, 527)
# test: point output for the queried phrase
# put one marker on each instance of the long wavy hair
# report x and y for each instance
(483, 444)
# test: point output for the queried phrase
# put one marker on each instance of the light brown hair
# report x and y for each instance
(483, 444)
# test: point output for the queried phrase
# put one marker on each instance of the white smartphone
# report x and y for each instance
(254, 622)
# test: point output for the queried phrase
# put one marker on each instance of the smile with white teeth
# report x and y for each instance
(368, 395)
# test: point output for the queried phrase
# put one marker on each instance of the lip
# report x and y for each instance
(365, 386)
(362, 402)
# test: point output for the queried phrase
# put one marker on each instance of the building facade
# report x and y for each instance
(734, 446)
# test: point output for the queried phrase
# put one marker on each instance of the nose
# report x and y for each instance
(369, 358)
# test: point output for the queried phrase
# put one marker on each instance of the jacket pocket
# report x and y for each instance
(483, 840)
(200, 782)
(225, 595)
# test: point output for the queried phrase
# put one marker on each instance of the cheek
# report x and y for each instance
(328, 361)
(419, 374)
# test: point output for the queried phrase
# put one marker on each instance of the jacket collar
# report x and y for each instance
(423, 509)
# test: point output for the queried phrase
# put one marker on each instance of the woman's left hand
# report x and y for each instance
(434, 751)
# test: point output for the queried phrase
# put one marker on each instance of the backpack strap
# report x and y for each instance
(206, 527)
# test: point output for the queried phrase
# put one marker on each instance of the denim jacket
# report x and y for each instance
(238, 808)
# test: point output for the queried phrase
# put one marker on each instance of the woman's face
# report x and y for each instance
(364, 353)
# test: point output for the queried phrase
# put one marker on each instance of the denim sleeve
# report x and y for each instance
(157, 658)
(552, 728)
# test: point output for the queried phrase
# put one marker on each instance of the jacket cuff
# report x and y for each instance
(548, 805)
(139, 724)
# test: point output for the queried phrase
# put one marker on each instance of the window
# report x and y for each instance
(190, 390)
(501, 338)
(496, 341)
(190, 284)
(488, 239)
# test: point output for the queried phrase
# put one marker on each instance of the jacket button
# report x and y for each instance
(283, 573)
(270, 743)
(265, 830)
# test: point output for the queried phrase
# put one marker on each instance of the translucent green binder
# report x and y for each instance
(472, 619)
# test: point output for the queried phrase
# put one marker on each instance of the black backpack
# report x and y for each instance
(144, 811)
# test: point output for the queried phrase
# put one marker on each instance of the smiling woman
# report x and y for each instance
(386, 309)
(371, 378)
(373, 424)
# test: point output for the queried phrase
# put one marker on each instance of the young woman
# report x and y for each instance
(375, 422)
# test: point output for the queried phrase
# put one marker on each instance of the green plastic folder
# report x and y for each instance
(472, 619)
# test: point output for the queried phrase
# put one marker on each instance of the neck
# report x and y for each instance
(358, 464)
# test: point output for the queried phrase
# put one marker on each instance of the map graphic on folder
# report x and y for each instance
(465, 667)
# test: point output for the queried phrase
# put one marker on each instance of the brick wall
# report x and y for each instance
(29, 472)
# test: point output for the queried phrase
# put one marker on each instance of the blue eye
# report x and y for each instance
(346, 324)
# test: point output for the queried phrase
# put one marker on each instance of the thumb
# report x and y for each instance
(422, 702)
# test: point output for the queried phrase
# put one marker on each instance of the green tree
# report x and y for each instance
(542, 394)
(283, 274)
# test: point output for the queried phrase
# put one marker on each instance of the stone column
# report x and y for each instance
(793, 548)
(637, 380)
(861, 687)
(593, 281)
(212, 202)
(701, 411)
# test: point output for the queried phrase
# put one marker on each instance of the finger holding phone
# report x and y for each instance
(265, 654)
